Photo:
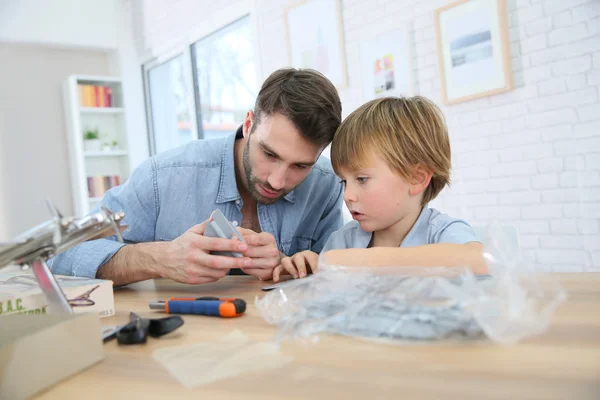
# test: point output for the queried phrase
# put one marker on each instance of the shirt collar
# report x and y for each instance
(227, 185)
(228, 190)
(416, 233)
(413, 238)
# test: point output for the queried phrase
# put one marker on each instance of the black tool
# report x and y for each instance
(138, 328)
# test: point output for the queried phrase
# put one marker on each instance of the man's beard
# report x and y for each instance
(253, 181)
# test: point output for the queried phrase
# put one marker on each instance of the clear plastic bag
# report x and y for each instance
(405, 303)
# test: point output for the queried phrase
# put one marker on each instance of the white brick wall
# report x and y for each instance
(529, 157)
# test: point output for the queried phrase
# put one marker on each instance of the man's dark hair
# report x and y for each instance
(306, 97)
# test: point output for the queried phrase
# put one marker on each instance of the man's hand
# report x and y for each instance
(262, 249)
(187, 259)
(298, 265)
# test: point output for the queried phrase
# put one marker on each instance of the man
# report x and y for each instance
(268, 177)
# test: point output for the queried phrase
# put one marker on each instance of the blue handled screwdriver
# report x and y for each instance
(227, 308)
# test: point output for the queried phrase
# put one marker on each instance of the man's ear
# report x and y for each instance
(248, 122)
(421, 177)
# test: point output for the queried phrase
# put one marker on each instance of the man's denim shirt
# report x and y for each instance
(172, 191)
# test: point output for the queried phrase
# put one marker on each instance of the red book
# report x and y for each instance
(108, 97)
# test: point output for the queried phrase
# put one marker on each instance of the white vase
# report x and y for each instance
(92, 145)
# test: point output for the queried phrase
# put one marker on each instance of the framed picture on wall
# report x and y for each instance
(316, 40)
(473, 49)
(386, 66)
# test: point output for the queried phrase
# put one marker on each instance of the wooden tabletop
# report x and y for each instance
(563, 363)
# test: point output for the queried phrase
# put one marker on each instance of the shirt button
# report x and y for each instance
(237, 202)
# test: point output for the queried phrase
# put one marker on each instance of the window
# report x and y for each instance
(168, 97)
(225, 83)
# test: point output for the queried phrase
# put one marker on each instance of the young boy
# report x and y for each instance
(393, 156)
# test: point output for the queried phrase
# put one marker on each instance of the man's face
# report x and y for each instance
(277, 158)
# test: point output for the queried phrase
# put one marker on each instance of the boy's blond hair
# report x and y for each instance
(404, 132)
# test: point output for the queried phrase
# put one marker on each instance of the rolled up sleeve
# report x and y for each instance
(138, 198)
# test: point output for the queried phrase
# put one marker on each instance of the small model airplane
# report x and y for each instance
(33, 248)
(83, 300)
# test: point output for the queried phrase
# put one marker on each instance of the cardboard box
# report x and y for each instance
(20, 293)
(39, 351)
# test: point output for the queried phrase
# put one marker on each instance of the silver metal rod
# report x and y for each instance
(157, 305)
(57, 302)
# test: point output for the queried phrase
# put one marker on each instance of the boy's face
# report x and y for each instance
(377, 197)
(276, 158)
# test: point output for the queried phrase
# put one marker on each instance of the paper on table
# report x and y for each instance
(232, 355)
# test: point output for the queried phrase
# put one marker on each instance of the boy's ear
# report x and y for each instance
(247, 125)
(421, 177)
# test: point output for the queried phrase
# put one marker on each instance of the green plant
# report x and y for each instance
(115, 143)
(91, 134)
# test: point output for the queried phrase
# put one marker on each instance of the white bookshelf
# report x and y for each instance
(106, 153)
(111, 159)
(106, 110)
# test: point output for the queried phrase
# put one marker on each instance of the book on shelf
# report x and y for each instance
(98, 185)
(95, 96)
(20, 293)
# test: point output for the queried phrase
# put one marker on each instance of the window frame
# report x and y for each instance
(218, 21)
(197, 99)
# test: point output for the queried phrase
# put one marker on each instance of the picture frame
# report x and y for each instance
(386, 64)
(314, 41)
(473, 49)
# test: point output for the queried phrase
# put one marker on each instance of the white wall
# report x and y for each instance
(126, 64)
(4, 234)
(87, 23)
(93, 37)
(90, 25)
(530, 157)
(33, 139)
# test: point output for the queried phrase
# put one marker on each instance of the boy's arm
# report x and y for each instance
(305, 262)
(431, 255)
(299, 265)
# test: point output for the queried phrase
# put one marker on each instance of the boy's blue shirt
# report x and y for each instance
(431, 227)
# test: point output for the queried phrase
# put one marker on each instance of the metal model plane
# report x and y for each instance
(33, 248)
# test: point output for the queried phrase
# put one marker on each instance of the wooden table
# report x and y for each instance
(563, 363)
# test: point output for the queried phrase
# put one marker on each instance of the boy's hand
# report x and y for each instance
(297, 265)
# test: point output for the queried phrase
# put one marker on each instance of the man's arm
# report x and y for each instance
(186, 259)
(137, 199)
(132, 263)
(432, 255)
